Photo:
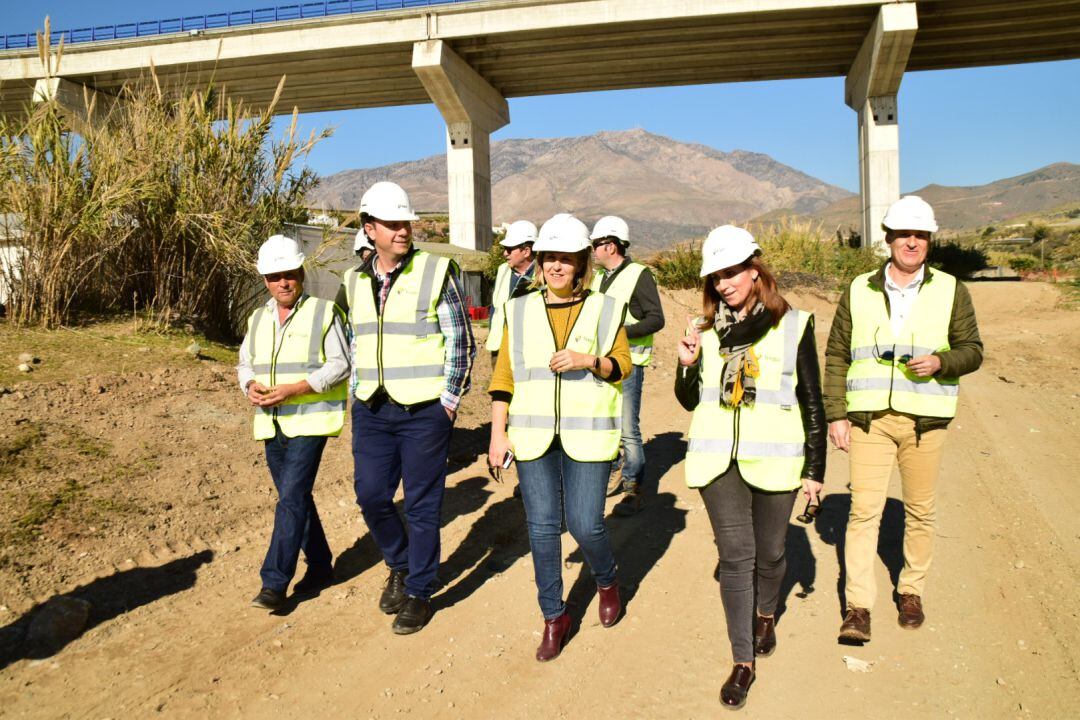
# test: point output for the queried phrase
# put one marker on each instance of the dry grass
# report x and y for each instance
(158, 206)
(797, 249)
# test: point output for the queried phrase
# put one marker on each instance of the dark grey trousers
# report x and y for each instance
(750, 527)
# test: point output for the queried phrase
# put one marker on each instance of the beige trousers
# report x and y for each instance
(891, 438)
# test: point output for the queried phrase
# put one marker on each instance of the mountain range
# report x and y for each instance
(669, 190)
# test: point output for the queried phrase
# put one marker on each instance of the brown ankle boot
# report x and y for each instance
(733, 692)
(610, 604)
(764, 635)
(555, 633)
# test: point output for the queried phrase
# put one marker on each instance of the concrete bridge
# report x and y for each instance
(468, 57)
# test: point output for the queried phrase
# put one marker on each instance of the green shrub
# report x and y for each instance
(957, 259)
(495, 257)
(679, 267)
(1024, 263)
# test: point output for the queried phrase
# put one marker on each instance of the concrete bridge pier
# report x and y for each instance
(82, 105)
(472, 109)
(870, 89)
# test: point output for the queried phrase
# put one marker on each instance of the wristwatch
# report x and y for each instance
(596, 362)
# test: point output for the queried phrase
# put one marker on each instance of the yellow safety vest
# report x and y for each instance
(583, 410)
(300, 353)
(766, 438)
(622, 288)
(499, 295)
(401, 350)
(875, 383)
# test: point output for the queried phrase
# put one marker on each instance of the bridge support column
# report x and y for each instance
(871, 88)
(472, 109)
(82, 105)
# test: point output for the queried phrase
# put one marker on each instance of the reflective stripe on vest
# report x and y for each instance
(300, 353)
(499, 296)
(585, 411)
(622, 289)
(403, 349)
(875, 383)
(766, 438)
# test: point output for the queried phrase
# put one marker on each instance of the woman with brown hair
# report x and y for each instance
(749, 372)
(556, 406)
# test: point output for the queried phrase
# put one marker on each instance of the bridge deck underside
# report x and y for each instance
(728, 48)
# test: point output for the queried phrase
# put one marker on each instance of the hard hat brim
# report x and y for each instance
(268, 268)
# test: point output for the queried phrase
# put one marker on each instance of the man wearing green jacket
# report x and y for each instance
(902, 337)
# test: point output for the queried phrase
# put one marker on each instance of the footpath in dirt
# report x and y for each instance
(152, 504)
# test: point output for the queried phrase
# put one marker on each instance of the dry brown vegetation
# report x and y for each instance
(156, 206)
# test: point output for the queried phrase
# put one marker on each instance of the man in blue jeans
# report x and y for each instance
(412, 357)
(631, 283)
(293, 365)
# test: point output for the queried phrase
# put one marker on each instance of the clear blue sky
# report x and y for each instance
(957, 127)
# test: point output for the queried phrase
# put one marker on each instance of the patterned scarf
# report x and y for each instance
(741, 365)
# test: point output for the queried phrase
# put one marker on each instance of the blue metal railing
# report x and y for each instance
(212, 21)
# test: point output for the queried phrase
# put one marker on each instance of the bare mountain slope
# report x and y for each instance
(968, 207)
(665, 189)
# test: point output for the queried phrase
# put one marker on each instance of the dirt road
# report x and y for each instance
(171, 631)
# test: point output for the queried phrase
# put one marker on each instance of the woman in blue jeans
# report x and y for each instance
(557, 406)
(749, 371)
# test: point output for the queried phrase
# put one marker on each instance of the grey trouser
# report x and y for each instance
(750, 527)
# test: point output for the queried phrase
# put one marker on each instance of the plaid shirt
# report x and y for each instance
(454, 325)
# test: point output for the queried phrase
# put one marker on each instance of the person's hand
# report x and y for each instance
(255, 392)
(811, 490)
(452, 414)
(689, 346)
(566, 360)
(280, 393)
(497, 449)
(924, 365)
(840, 434)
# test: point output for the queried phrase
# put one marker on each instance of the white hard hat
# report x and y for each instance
(387, 201)
(518, 233)
(910, 213)
(362, 242)
(279, 254)
(562, 233)
(725, 247)
(611, 226)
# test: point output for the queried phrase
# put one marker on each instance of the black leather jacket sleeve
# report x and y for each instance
(808, 393)
(688, 385)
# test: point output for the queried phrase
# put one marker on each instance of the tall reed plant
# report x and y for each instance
(158, 204)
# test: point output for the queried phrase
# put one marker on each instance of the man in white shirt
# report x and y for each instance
(293, 365)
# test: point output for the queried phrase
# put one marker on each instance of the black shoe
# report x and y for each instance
(268, 599)
(393, 595)
(314, 580)
(412, 617)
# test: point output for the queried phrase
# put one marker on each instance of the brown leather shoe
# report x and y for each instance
(764, 635)
(555, 634)
(610, 604)
(733, 691)
(911, 613)
(856, 625)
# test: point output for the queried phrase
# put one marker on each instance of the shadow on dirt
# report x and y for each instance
(831, 525)
(461, 498)
(47, 628)
(639, 541)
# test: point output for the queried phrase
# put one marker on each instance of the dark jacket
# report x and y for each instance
(644, 302)
(964, 356)
(807, 392)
